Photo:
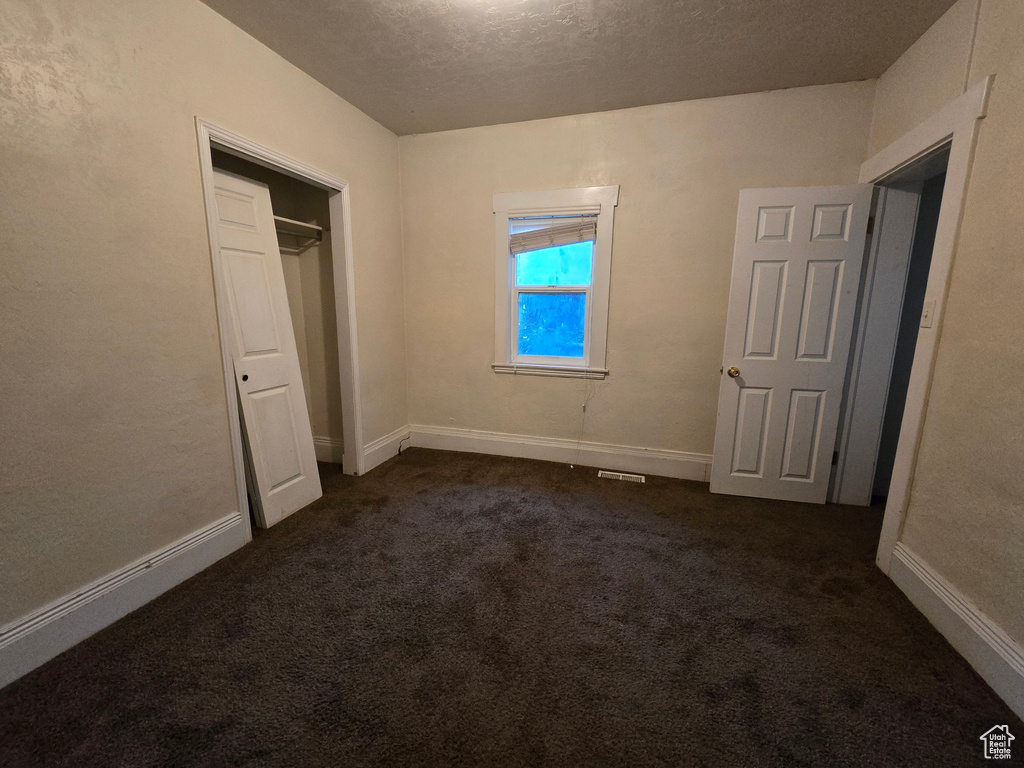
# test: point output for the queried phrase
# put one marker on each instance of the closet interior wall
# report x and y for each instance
(309, 279)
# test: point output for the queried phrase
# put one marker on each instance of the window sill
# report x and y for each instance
(567, 372)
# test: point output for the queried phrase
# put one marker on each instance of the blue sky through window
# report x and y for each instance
(552, 324)
(562, 265)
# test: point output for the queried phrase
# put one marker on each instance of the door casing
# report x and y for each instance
(956, 124)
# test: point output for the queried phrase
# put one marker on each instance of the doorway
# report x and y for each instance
(302, 224)
(911, 317)
(308, 263)
(892, 299)
(952, 130)
(211, 139)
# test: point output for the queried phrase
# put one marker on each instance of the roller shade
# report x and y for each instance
(534, 234)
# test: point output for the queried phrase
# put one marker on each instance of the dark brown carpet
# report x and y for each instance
(452, 609)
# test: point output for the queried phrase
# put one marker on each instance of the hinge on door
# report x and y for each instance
(835, 458)
(871, 224)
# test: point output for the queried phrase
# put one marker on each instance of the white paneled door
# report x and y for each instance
(282, 461)
(795, 280)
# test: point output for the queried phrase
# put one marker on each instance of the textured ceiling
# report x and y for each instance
(430, 65)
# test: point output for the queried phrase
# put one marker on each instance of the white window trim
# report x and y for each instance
(555, 202)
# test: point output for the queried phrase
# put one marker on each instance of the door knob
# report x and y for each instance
(733, 372)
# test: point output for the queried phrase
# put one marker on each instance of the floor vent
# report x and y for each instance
(621, 476)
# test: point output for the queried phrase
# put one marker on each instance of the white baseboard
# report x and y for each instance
(30, 641)
(624, 458)
(993, 654)
(383, 448)
(328, 450)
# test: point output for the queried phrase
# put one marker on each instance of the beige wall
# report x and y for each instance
(931, 72)
(966, 515)
(680, 167)
(322, 374)
(115, 436)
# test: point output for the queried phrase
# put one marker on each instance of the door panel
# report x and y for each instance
(795, 280)
(249, 292)
(767, 283)
(751, 431)
(803, 430)
(774, 224)
(821, 288)
(273, 401)
(274, 425)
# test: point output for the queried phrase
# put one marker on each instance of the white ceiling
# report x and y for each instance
(418, 66)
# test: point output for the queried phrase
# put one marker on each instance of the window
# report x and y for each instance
(553, 261)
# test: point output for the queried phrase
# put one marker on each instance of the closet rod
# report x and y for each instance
(299, 228)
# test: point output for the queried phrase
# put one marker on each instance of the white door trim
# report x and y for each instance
(956, 123)
(344, 289)
(955, 116)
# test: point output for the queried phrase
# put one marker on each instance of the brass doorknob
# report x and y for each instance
(733, 372)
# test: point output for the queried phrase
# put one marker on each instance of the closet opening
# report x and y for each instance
(926, 180)
(304, 237)
(283, 272)
(894, 308)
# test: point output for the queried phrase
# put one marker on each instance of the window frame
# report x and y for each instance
(516, 290)
(599, 201)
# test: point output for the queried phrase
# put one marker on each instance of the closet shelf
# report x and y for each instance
(298, 228)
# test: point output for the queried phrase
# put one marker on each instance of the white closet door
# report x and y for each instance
(276, 422)
(795, 279)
